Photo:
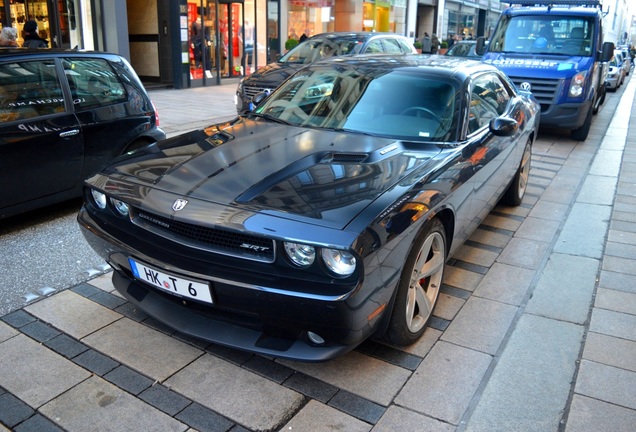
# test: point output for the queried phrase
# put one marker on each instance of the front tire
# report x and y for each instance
(517, 188)
(581, 133)
(419, 286)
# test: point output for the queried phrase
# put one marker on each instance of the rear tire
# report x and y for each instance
(517, 188)
(419, 286)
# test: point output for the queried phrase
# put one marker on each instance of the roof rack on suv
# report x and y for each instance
(550, 3)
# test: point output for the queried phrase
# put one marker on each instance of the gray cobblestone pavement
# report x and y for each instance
(535, 329)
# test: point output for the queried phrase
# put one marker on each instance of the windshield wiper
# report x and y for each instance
(268, 117)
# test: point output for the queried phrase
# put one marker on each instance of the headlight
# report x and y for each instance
(340, 262)
(300, 254)
(576, 86)
(120, 206)
(99, 199)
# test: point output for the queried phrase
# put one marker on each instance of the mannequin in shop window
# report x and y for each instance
(32, 37)
(247, 36)
(198, 36)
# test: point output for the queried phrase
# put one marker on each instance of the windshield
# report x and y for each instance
(544, 34)
(402, 104)
(315, 49)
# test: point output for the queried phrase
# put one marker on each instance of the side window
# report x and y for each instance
(374, 47)
(488, 99)
(29, 89)
(93, 83)
(391, 46)
(404, 47)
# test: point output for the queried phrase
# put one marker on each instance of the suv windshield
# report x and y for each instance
(541, 34)
(315, 49)
(403, 104)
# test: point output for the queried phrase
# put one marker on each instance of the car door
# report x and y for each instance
(492, 156)
(41, 146)
(112, 113)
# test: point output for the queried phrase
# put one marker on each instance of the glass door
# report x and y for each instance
(230, 23)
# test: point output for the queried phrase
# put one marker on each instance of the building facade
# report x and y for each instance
(190, 43)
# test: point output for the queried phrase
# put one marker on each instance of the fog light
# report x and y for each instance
(315, 338)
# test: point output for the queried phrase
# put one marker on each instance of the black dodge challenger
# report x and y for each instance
(323, 217)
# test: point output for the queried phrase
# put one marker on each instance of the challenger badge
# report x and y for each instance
(179, 204)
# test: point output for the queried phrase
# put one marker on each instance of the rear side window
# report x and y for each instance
(392, 46)
(29, 89)
(93, 83)
(374, 47)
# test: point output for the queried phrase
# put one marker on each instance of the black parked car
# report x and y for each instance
(464, 49)
(313, 49)
(63, 116)
(325, 216)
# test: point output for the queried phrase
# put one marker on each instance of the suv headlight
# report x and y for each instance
(577, 85)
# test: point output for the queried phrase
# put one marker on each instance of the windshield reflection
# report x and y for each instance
(402, 104)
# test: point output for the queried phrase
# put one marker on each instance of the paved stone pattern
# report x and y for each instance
(533, 331)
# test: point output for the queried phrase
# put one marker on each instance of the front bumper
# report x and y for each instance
(245, 316)
(566, 116)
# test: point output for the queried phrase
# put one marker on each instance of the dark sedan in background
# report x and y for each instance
(464, 49)
(313, 49)
(63, 116)
(323, 217)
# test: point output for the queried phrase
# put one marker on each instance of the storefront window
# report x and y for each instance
(310, 18)
(385, 16)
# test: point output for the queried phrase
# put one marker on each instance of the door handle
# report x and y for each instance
(69, 133)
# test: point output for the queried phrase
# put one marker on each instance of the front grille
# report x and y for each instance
(206, 238)
(252, 90)
(545, 90)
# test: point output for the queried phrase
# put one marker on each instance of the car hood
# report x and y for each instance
(316, 176)
(274, 73)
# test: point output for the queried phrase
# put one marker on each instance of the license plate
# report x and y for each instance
(171, 283)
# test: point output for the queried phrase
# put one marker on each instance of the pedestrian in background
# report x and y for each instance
(8, 37)
(426, 44)
(32, 38)
(434, 44)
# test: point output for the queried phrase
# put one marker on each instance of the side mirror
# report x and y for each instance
(480, 46)
(607, 52)
(503, 126)
(258, 98)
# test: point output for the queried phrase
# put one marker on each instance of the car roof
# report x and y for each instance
(439, 65)
(52, 52)
(353, 35)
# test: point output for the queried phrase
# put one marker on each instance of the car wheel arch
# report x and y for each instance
(446, 217)
(137, 144)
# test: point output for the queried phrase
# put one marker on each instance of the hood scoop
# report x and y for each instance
(345, 158)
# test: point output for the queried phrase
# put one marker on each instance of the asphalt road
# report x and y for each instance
(43, 251)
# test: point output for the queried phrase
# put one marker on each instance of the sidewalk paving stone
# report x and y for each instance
(530, 383)
(238, 394)
(318, 417)
(565, 288)
(591, 415)
(364, 376)
(612, 351)
(607, 383)
(146, 350)
(445, 382)
(99, 405)
(37, 374)
(72, 313)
